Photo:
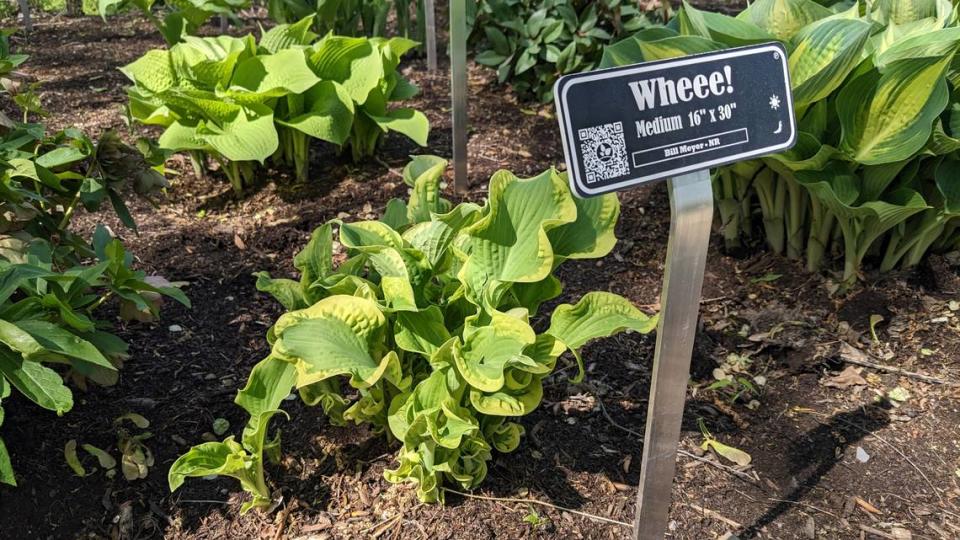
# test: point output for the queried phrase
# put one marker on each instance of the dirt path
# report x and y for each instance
(805, 481)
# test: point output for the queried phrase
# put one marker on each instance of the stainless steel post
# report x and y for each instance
(430, 28)
(691, 210)
(458, 84)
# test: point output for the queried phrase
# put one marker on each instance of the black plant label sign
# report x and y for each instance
(635, 124)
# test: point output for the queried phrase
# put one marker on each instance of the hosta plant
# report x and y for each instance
(425, 329)
(873, 174)
(533, 42)
(53, 281)
(243, 103)
(177, 18)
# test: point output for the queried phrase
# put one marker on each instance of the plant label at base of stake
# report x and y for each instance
(634, 124)
(673, 119)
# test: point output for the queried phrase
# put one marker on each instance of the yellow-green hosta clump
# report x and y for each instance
(244, 102)
(874, 173)
(428, 323)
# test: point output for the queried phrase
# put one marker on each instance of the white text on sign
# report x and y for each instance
(684, 89)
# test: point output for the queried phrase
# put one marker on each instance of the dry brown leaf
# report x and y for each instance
(846, 378)
(867, 506)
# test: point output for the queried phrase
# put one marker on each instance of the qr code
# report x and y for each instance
(604, 151)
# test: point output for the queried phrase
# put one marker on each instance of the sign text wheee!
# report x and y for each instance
(683, 89)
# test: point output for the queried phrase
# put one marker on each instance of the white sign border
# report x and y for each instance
(566, 129)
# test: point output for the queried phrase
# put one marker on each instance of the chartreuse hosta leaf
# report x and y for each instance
(245, 102)
(270, 382)
(510, 243)
(428, 322)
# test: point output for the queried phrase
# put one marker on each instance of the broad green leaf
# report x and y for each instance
(491, 349)
(673, 47)
(784, 18)
(353, 62)
(591, 236)
(37, 382)
(285, 36)
(152, 71)
(270, 382)
(888, 117)
(286, 291)
(421, 332)
(730, 31)
(425, 174)
(248, 136)
(285, 70)
(409, 122)
(225, 458)
(510, 243)
(315, 260)
(329, 113)
(87, 359)
(335, 336)
(823, 55)
(597, 314)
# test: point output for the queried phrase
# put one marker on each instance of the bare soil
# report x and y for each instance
(828, 461)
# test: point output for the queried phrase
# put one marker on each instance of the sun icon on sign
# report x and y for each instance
(775, 102)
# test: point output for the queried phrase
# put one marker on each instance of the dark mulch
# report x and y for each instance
(804, 436)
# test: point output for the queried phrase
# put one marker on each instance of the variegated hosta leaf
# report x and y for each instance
(730, 31)
(339, 335)
(903, 11)
(784, 18)
(597, 314)
(888, 117)
(510, 243)
(591, 236)
(424, 175)
(823, 55)
(673, 47)
(490, 349)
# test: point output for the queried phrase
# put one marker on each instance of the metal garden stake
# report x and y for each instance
(458, 84)
(673, 119)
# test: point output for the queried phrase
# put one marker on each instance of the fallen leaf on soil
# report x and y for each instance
(846, 378)
(867, 506)
(70, 454)
(733, 454)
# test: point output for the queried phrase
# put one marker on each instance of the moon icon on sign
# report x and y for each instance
(779, 127)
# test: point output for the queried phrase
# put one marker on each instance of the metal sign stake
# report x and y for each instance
(674, 119)
(430, 26)
(691, 213)
(458, 84)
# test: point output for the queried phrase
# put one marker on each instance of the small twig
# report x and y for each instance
(877, 532)
(715, 515)
(201, 501)
(739, 474)
(810, 506)
(891, 369)
(282, 518)
(535, 501)
(383, 526)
